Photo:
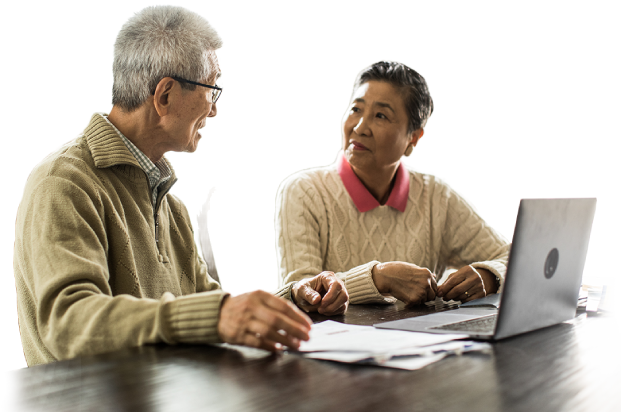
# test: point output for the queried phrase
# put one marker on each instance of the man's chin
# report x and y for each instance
(191, 148)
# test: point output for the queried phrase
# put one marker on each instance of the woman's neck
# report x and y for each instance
(379, 183)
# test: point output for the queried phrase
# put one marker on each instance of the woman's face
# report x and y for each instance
(375, 128)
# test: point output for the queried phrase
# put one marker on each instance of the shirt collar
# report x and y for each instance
(157, 172)
(363, 199)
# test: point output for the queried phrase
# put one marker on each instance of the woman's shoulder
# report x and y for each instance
(309, 179)
(426, 180)
(430, 187)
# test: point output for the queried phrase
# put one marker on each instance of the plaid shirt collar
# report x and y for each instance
(157, 172)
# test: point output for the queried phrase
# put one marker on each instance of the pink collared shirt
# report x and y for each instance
(363, 199)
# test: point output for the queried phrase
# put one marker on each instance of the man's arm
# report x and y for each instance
(65, 300)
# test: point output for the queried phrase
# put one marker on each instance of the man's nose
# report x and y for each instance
(214, 110)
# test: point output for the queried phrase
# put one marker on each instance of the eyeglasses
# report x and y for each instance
(215, 93)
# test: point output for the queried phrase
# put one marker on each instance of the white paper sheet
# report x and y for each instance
(406, 358)
(335, 336)
(408, 363)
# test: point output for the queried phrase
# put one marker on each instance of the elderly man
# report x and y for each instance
(104, 255)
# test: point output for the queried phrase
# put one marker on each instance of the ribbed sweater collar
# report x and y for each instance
(107, 147)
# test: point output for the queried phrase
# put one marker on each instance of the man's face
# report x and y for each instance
(190, 115)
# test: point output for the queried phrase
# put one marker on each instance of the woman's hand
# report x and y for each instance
(407, 282)
(468, 284)
(324, 293)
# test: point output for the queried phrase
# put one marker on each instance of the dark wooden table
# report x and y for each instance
(568, 367)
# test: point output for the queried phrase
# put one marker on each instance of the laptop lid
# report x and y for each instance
(543, 276)
(545, 266)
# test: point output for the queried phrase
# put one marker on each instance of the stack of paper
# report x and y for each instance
(339, 342)
(599, 293)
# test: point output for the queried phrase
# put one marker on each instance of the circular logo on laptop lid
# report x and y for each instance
(551, 263)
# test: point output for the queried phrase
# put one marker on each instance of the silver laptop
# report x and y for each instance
(543, 277)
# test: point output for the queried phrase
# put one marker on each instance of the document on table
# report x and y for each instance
(599, 293)
(339, 342)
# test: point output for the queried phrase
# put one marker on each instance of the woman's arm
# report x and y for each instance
(471, 245)
(302, 240)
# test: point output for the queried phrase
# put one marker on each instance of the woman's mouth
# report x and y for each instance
(358, 146)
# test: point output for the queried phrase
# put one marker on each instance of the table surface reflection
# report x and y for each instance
(568, 367)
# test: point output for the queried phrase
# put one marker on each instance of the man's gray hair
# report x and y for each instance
(158, 42)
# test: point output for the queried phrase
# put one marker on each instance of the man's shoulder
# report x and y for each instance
(70, 159)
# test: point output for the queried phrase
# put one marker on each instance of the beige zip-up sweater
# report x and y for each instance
(319, 228)
(90, 273)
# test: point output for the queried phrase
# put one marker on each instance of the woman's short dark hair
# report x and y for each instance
(413, 87)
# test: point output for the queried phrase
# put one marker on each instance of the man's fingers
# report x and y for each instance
(261, 320)
(286, 308)
(264, 330)
(257, 340)
(282, 338)
(289, 319)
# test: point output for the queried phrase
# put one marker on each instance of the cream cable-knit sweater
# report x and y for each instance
(93, 272)
(319, 228)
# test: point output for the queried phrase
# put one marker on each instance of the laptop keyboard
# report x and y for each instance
(485, 324)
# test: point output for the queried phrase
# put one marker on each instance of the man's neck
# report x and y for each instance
(140, 127)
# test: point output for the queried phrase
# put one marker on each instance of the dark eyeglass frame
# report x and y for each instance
(215, 95)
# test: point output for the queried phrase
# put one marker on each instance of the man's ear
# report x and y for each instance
(162, 96)
(416, 135)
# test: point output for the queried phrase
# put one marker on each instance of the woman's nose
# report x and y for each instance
(362, 127)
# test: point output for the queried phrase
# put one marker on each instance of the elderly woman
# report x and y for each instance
(384, 231)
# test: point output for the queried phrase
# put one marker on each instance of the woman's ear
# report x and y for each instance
(416, 135)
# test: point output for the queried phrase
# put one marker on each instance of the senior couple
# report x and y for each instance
(105, 258)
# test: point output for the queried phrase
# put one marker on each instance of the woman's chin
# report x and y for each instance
(360, 159)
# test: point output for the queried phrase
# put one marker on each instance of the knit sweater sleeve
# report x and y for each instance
(302, 232)
(61, 265)
(466, 238)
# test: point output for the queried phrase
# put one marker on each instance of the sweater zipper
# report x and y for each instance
(157, 227)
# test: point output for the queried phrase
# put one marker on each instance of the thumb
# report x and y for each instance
(310, 295)
(431, 294)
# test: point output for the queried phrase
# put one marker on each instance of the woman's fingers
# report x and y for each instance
(324, 293)
(336, 299)
(464, 285)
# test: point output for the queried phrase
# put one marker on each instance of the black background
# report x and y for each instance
(508, 123)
